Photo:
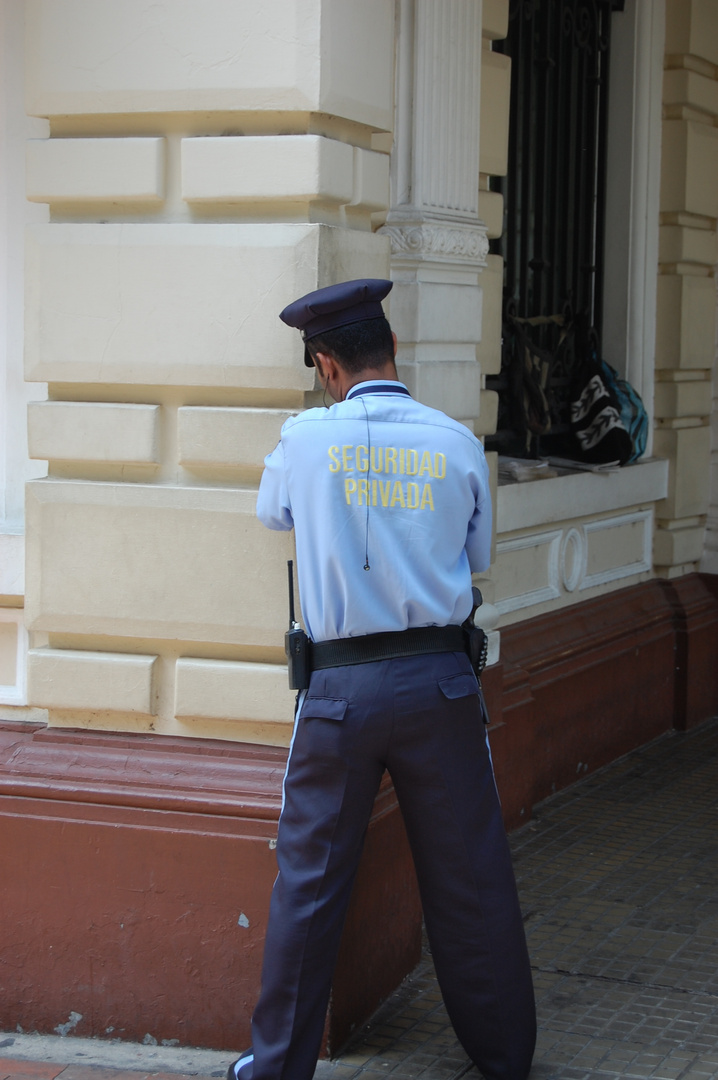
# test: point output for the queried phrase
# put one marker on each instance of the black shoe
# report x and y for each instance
(244, 1059)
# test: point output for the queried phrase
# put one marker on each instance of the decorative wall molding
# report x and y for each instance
(637, 566)
(572, 558)
(566, 555)
(437, 242)
(551, 541)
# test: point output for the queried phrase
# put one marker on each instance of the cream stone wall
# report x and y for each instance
(15, 468)
(95, 170)
(686, 291)
(191, 168)
(232, 56)
(207, 163)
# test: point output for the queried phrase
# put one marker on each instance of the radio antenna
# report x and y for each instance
(290, 576)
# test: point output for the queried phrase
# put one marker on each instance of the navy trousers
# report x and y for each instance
(419, 717)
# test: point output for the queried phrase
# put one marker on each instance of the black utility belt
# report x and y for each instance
(305, 656)
(385, 646)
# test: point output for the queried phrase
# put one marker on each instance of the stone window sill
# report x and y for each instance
(579, 494)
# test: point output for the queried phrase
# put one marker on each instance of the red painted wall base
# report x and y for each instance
(136, 878)
(580, 687)
(136, 870)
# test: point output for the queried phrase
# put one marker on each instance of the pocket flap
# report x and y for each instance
(324, 708)
(458, 686)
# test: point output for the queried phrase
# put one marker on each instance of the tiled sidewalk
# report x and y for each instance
(11, 1069)
(619, 885)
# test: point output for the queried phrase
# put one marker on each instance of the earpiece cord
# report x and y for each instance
(368, 468)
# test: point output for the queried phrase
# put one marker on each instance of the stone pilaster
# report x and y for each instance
(438, 242)
(686, 291)
(709, 562)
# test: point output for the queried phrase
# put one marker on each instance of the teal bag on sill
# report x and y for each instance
(631, 410)
(608, 418)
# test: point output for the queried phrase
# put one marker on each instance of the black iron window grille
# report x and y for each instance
(554, 210)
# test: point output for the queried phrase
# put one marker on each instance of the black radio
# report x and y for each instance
(296, 643)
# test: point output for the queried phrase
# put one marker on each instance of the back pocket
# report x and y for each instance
(324, 708)
(459, 686)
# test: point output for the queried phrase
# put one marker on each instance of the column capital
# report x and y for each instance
(415, 241)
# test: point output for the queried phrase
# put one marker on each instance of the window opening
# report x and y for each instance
(554, 209)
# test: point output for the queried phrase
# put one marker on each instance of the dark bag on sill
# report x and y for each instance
(530, 372)
(608, 418)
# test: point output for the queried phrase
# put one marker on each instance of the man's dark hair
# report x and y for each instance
(358, 346)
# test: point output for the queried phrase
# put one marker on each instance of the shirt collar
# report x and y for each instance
(377, 386)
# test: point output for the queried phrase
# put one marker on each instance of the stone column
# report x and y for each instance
(438, 242)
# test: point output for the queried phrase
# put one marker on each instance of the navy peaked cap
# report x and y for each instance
(337, 305)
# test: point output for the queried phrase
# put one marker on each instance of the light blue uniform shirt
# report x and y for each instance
(379, 478)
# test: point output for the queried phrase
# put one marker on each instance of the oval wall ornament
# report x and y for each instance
(572, 559)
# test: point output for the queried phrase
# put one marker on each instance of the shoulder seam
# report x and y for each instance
(465, 433)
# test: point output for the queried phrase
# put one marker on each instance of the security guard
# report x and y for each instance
(390, 504)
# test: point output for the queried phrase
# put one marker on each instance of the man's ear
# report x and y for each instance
(326, 366)
(396, 343)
